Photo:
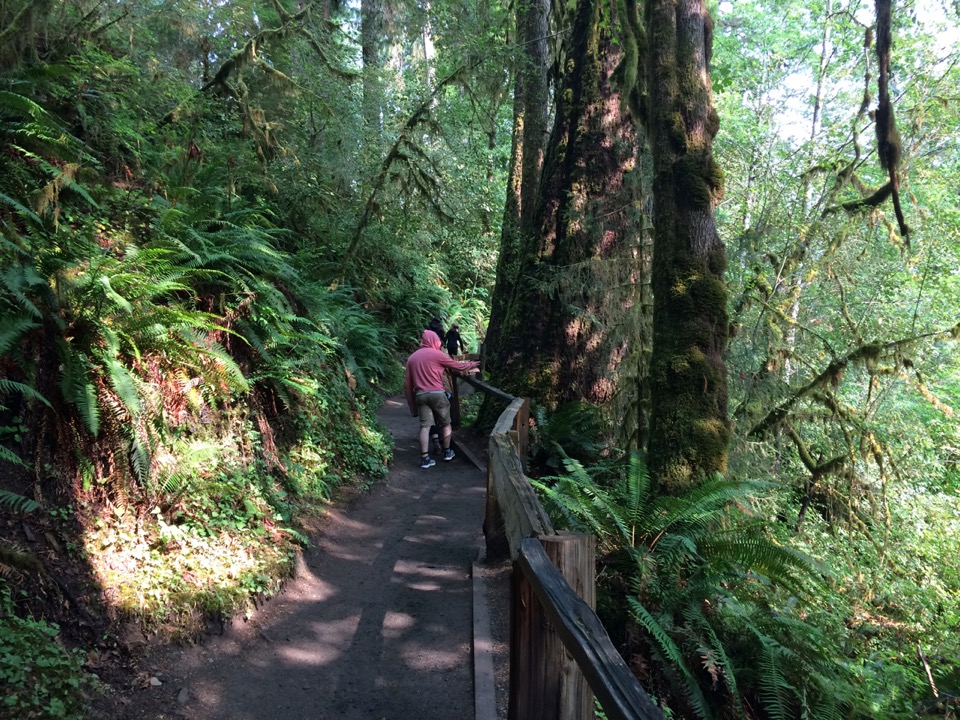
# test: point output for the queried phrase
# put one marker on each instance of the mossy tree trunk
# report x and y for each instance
(690, 427)
(530, 112)
(553, 343)
(371, 43)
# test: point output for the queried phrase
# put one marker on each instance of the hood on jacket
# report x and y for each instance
(430, 340)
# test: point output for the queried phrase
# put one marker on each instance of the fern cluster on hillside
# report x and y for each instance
(181, 379)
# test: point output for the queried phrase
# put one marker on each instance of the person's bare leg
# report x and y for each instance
(425, 440)
(445, 432)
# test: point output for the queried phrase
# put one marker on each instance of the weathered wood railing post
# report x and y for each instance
(545, 682)
(454, 399)
(560, 653)
(494, 525)
(520, 432)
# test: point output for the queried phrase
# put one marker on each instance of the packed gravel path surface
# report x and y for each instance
(376, 625)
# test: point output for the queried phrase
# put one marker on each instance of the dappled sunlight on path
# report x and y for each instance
(377, 625)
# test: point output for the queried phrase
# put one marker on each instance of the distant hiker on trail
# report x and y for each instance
(454, 342)
(436, 324)
(423, 386)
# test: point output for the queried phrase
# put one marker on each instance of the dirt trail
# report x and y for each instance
(376, 626)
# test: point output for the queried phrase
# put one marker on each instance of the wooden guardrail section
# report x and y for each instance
(560, 655)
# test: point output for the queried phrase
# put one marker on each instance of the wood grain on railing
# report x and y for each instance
(521, 514)
(560, 650)
(584, 637)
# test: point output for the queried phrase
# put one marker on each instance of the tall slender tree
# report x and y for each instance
(371, 44)
(530, 117)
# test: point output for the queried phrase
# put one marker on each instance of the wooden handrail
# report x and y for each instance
(489, 389)
(585, 638)
(545, 684)
(522, 514)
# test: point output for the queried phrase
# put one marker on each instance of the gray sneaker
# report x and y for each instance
(449, 454)
(427, 462)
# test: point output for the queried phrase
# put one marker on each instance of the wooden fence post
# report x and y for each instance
(455, 399)
(523, 433)
(545, 682)
(494, 526)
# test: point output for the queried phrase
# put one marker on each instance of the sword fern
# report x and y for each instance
(711, 589)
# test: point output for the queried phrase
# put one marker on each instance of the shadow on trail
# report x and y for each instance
(378, 623)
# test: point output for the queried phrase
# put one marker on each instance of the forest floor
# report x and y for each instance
(377, 623)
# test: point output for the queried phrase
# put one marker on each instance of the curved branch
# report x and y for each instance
(861, 353)
(420, 114)
(871, 201)
(290, 23)
(816, 470)
(888, 137)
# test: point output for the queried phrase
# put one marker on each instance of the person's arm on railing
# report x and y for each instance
(461, 367)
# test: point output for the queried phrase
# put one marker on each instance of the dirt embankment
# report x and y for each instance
(376, 625)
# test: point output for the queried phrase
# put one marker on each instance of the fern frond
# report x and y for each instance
(671, 652)
(9, 386)
(13, 329)
(116, 297)
(783, 565)
(638, 487)
(21, 210)
(78, 388)
(773, 687)
(17, 503)
(140, 459)
(567, 499)
(11, 457)
(706, 504)
(250, 333)
(694, 616)
(123, 385)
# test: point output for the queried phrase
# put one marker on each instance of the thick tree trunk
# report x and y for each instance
(530, 111)
(690, 427)
(554, 344)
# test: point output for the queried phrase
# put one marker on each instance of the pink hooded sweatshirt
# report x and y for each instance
(425, 369)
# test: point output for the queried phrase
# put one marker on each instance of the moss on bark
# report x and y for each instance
(690, 428)
(552, 346)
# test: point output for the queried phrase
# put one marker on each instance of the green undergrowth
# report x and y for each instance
(211, 531)
(897, 584)
(224, 532)
(40, 678)
(733, 602)
(470, 404)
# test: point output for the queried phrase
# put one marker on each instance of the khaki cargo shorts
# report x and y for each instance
(434, 409)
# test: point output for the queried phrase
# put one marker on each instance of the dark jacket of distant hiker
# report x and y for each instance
(454, 342)
(436, 324)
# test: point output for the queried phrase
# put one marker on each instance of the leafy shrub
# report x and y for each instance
(725, 613)
(41, 680)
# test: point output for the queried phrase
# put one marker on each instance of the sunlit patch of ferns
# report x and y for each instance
(711, 590)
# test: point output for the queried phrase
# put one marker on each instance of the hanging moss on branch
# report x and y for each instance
(888, 137)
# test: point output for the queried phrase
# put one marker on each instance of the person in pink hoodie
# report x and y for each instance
(423, 386)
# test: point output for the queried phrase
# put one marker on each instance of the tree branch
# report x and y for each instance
(419, 115)
(861, 353)
(888, 137)
(869, 202)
